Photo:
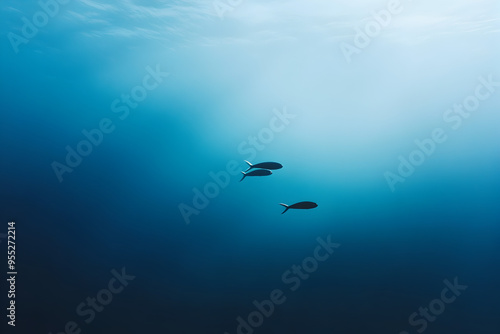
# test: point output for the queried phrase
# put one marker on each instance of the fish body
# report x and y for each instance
(257, 172)
(299, 205)
(264, 165)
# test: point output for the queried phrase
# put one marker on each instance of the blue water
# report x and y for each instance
(172, 94)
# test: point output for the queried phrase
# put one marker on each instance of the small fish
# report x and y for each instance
(264, 165)
(300, 205)
(258, 172)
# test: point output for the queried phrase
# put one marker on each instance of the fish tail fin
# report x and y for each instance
(286, 207)
(244, 174)
(249, 165)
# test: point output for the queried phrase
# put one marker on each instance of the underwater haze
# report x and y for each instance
(125, 127)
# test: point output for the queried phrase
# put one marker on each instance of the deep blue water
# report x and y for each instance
(266, 83)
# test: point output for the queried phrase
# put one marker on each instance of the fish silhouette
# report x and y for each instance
(300, 205)
(264, 165)
(257, 172)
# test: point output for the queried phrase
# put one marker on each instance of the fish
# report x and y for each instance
(264, 165)
(300, 205)
(257, 172)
